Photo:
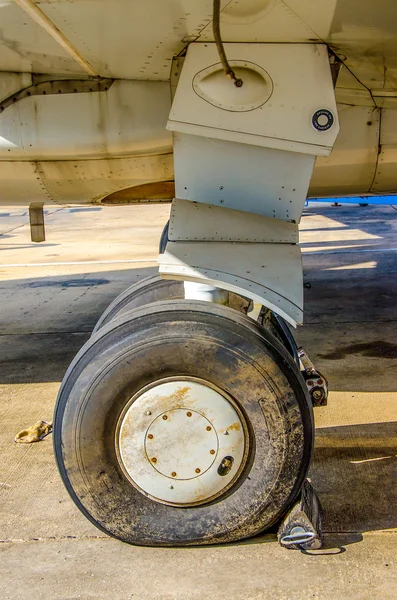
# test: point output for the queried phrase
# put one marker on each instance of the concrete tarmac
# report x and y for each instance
(51, 295)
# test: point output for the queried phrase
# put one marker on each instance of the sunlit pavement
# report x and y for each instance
(51, 295)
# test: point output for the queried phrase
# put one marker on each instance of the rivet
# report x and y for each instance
(212, 451)
(154, 459)
(209, 428)
(173, 474)
(225, 432)
(189, 414)
(171, 487)
(150, 436)
(148, 412)
(165, 417)
(198, 470)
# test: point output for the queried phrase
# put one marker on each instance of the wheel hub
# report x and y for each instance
(182, 442)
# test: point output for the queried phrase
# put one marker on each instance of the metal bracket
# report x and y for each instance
(315, 381)
(59, 86)
(301, 528)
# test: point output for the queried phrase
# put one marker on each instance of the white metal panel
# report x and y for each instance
(264, 21)
(132, 39)
(92, 180)
(268, 182)
(138, 38)
(386, 172)
(301, 83)
(270, 274)
(26, 47)
(70, 181)
(203, 222)
(350, 168)
(10, 83)
(128, 119)
(20, 183)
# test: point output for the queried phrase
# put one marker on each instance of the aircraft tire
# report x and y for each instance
(183, 423)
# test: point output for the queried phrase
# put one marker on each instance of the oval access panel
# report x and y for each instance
(213, 86)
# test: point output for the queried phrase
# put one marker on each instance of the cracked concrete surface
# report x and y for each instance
(48, 308)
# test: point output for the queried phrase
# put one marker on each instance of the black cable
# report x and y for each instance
(219, 44)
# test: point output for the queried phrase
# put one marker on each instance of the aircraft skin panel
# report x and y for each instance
(26, 48)
(137, 40)
(128, 119)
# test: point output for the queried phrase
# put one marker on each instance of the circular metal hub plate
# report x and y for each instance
(182, 442)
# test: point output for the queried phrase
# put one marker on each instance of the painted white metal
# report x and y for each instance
(385, 179)
(267, 182)
(350, 168)
(20, 183)
(299, 78)
(27, 48)
(206, 293)
(173, 437)
(70, 181)
(201, 222)
(11, 83)
(130, 39)
(108, 32)
(211, 85)
(265, 21)
(31, 8)
(129, 119)
(270, 274)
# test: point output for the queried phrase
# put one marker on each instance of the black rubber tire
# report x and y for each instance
(164, 238)
(146, 291)
(183, 338)
(155, 289)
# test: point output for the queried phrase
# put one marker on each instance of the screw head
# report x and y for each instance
(173, 474)
(198, 470)
(189, 414)
(212, 451)
(171, 487)
(154, 459)
(165, 417)
(150, 436)
(226, 432)
(208, 428)
(148, 412)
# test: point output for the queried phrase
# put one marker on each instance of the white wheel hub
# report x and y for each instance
(182, 442)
